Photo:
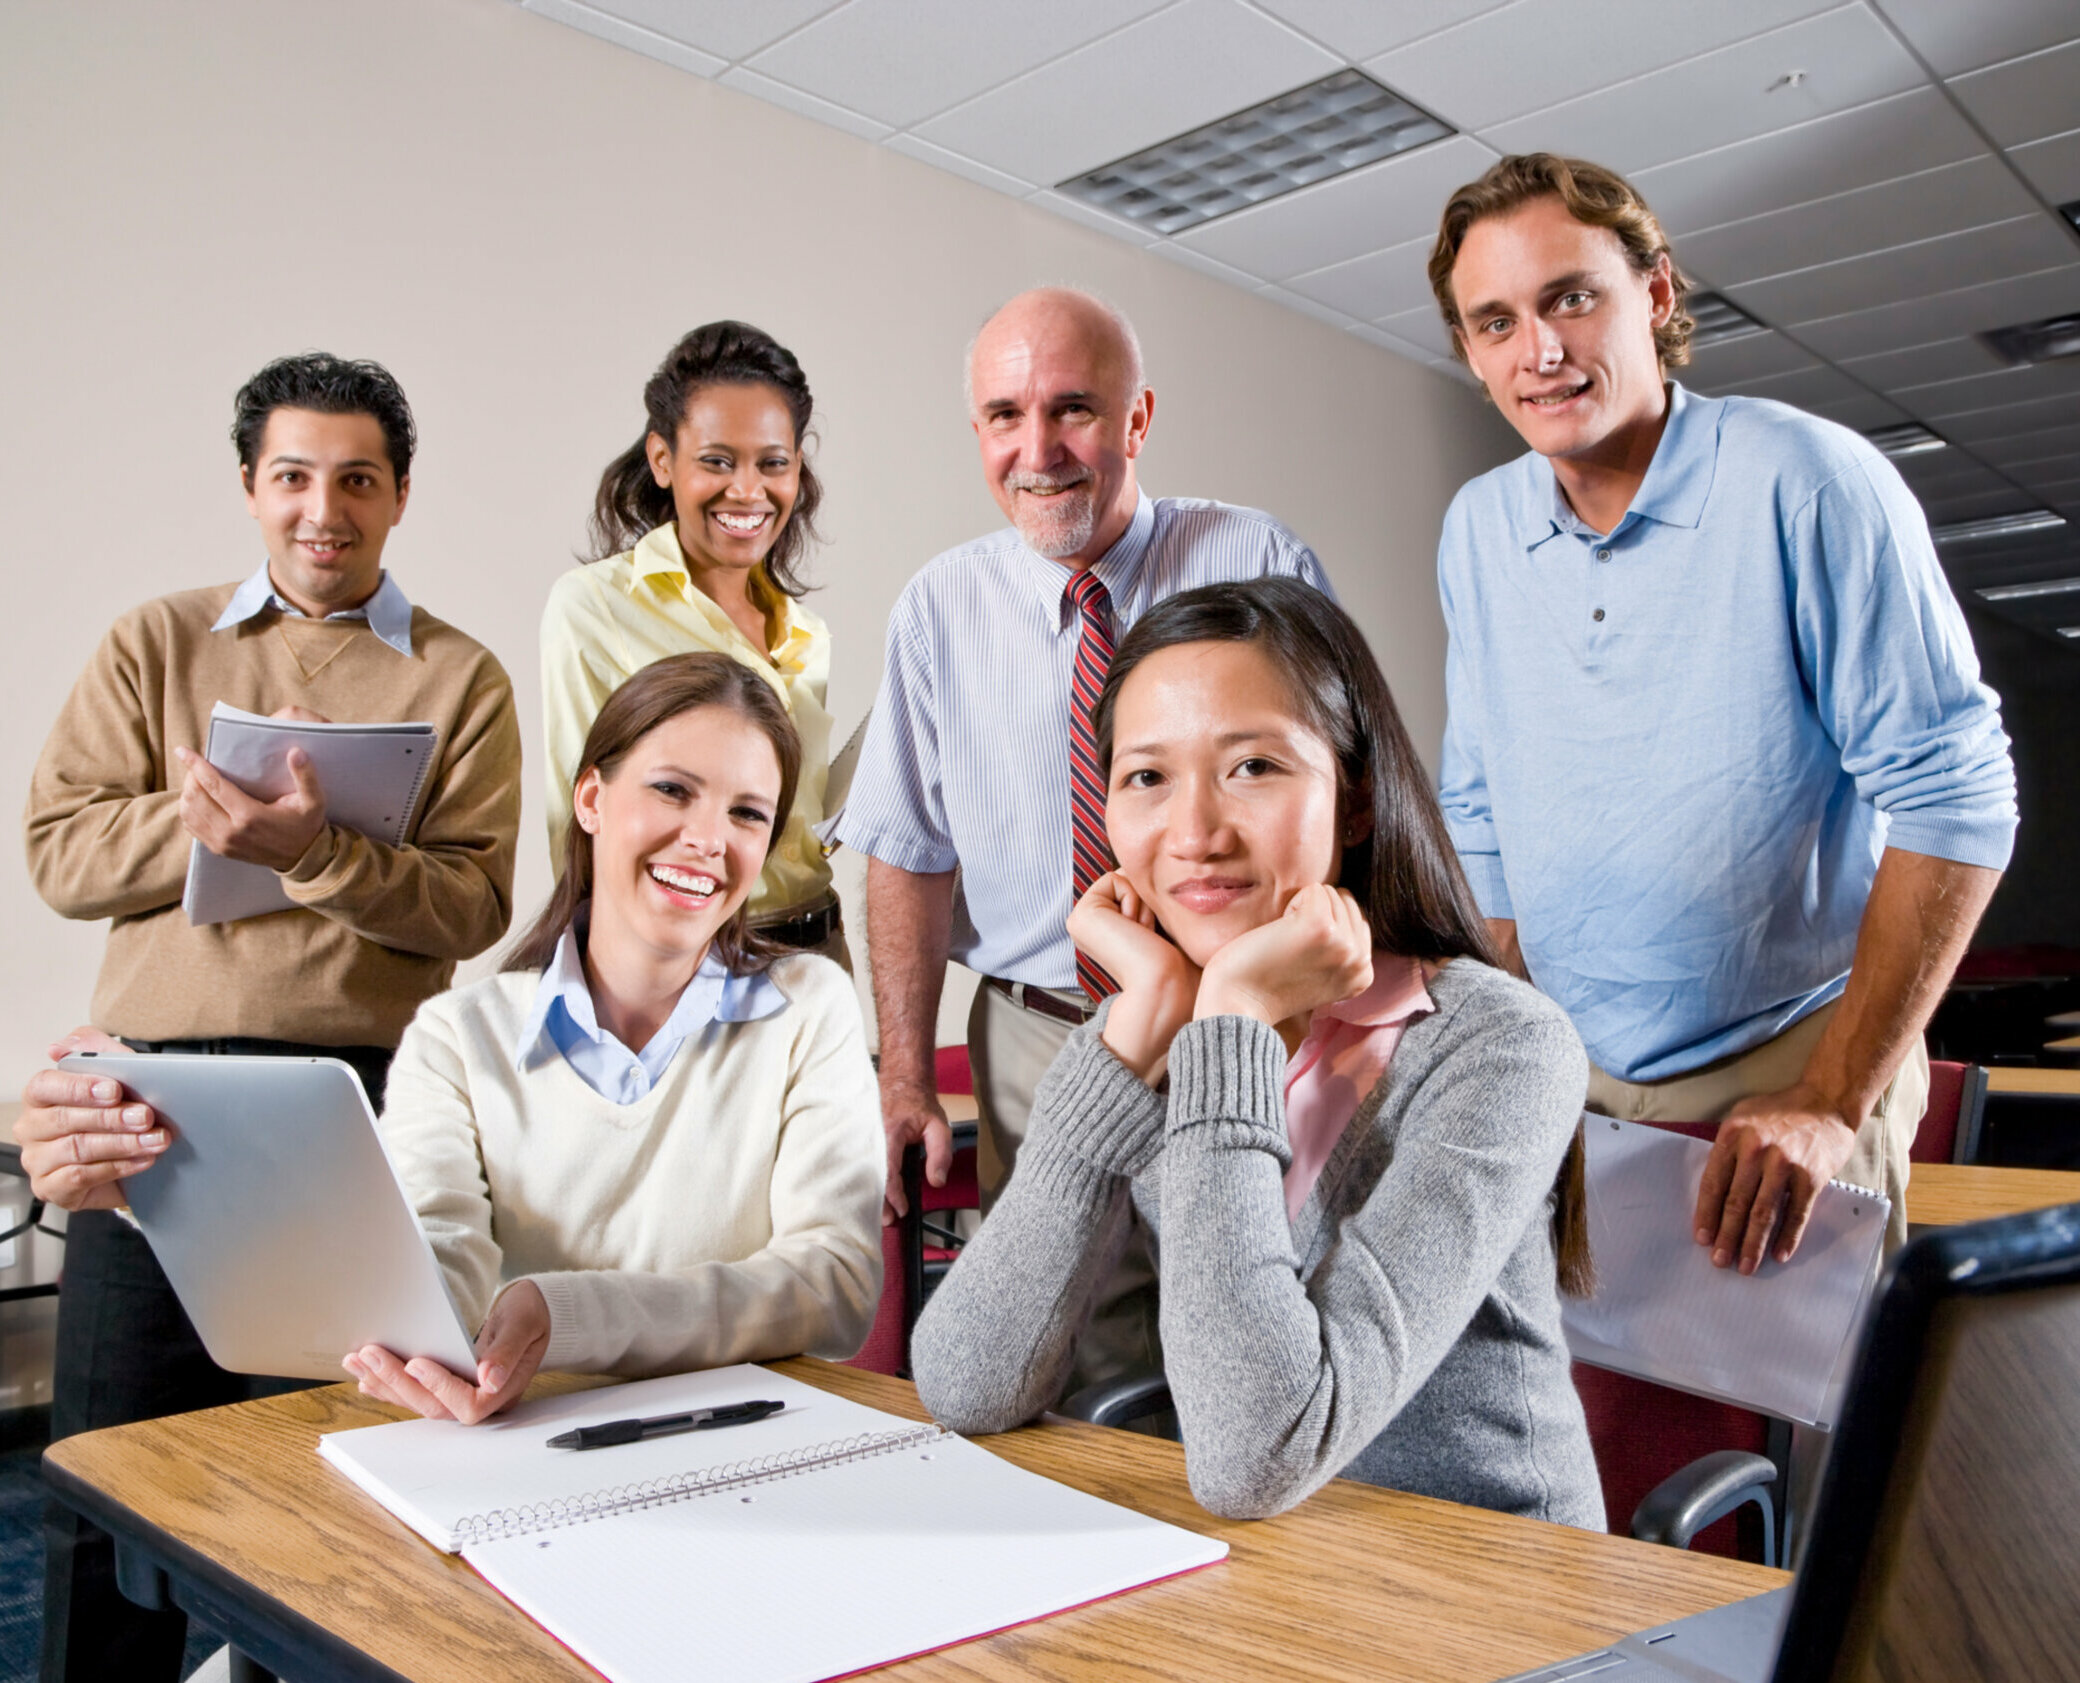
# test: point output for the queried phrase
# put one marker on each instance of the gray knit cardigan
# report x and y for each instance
(1404, 1329)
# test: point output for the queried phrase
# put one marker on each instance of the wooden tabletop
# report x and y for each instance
(2012, 1078)
(1943, 1194)
(1355, 1583)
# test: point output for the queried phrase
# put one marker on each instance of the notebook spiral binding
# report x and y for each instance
(679, 1487)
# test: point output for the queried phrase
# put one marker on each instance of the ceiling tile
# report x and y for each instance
(1956, 35)
(1381, 283)
(727, 28)
(903, 60)
(1948, 315)
(1847, 58)
(2013, 420)
(1389, 342)
(2026, 98)
(2018, 247)
(2052, 166)
(1309, 307)
(1734, 360)
(1802, 386)
(1387, 203)
(1359, 28)
(1922, 365)
(1860, 413)
(1186, 66)
(625, 34)
(2029, 451)
(1892, 213)
(1978, 505)
(1914, 131)
(1077, 211)
(1424, 327)
(1995, 390)
(1953, 473)
(1540, 53)
(1206, 265)
(925, 152)
(807, 105)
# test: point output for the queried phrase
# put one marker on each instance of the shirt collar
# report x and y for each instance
(1117, 569)
(388, 614)
(1397, 994)
(659, 563)
(715, 995)
(1679, 478)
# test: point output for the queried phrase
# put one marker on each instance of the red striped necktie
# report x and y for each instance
(1090, 852)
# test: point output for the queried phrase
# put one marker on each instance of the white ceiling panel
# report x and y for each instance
(952, 162)
(1205, 265)
(1924, 365)
(1974, 392)
(1424, 327)
(2025, 451)
(2021, 246)
(2055, 491)
(1186, 66)
(1861, 413)
(1077, 211)
(1310, 307)
(1844, 58)
(2008, 499)
(2013, 420)
(1540, 53)
(625, 34)
(1392, 342)
(1752, 358)
(807, 105)
(1948, 315)
(1802, 386)
(1360, 28)
(1836, 154)
(1381, 283)
(1956, 35)
(727, 28)
(901, 61)
(1954, 474)
(1918, 207)
(2026, 98)
(2052, 166)
(1387, 203)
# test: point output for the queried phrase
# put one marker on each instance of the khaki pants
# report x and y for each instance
(1009, 1049)
(1705, 1095)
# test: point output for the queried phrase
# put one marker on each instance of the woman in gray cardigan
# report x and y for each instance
(1352, 1136)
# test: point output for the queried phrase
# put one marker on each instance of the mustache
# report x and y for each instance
(1078, 475)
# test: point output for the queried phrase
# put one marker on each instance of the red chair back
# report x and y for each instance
(887, 1348)
(950, 1069)
(1642, 1433)
(1936, 1140)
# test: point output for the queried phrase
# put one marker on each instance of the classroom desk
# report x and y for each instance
(306, 1574)
(1943, 1194)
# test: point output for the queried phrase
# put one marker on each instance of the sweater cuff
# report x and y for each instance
(566, 1351)
(316, 860)
(1228, 1083)
(1091, 1110)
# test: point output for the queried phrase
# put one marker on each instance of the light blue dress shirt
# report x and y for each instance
(388, 614)
(1675, 753)
(966, 761)
(562, 1022)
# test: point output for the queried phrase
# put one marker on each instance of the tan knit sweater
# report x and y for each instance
(378, 928)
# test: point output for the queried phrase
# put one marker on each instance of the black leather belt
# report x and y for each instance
(1045, 1001)
(806, 930)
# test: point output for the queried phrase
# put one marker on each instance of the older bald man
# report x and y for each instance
(963, 795)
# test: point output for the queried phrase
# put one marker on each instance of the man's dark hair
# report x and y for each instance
(329, 385)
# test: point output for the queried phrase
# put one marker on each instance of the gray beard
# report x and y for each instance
(1059, 531)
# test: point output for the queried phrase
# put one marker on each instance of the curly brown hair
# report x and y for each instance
(1600, 197)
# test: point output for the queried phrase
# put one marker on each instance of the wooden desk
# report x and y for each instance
(307, 1575)
(1943, 1194)
(2053, 1083)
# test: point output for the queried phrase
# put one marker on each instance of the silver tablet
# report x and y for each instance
(278, 1218)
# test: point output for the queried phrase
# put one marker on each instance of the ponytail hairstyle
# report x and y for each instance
(630, 502)
(1405, 873)
(658, 693)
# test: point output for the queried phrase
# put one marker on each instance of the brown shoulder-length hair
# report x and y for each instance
(660, 692)
(630, 502)
(1405, 872)
(1599, 197)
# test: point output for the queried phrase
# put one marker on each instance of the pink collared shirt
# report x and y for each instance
(1346, 1051)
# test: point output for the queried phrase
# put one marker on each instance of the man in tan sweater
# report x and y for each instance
(118, 797)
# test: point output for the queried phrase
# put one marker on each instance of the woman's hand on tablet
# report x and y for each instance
(509, 1351)
(1158, 984)
(1317, 953)
(81, 1136)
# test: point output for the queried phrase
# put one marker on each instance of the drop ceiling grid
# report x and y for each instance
(1803, 157)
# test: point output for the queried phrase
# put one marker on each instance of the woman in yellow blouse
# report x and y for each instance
(698, 532)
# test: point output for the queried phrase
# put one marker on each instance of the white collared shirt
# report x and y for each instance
(388, 614)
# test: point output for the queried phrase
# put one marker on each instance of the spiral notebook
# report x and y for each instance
(1780, 1340)
(371, 774)
(823, 1540)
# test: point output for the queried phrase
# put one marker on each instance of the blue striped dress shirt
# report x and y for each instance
(1675, 752)
(966, 761)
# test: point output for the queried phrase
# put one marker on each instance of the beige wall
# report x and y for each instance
(518, 219)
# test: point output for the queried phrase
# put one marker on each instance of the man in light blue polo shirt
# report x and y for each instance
(1718, 761)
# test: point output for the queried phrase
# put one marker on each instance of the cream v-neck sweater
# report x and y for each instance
(731, 1215)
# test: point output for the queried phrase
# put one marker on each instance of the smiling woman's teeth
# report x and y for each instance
(684, 882)
(744, 523)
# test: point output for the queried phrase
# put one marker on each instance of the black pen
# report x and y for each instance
(663, 1425)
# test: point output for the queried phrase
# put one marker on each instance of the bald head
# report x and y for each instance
(1059, 405)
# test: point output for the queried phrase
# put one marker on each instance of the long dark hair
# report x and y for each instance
(660, 692)
(1405, 872)
(630, 502)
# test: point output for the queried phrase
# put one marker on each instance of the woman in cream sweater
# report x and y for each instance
(651, 1144)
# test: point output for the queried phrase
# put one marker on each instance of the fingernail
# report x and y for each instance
(1721, 1257)
(494, 1377)
(1704, 1235)
(153, 1140)
(136, 1115)
(107, 1090)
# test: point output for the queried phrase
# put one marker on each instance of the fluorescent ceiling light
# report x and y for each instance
(2036, 341)
(1324, 129)
(1718, 320)
(1999, 526)
(1909, 438)
(2023, 592)
(2072, 631)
